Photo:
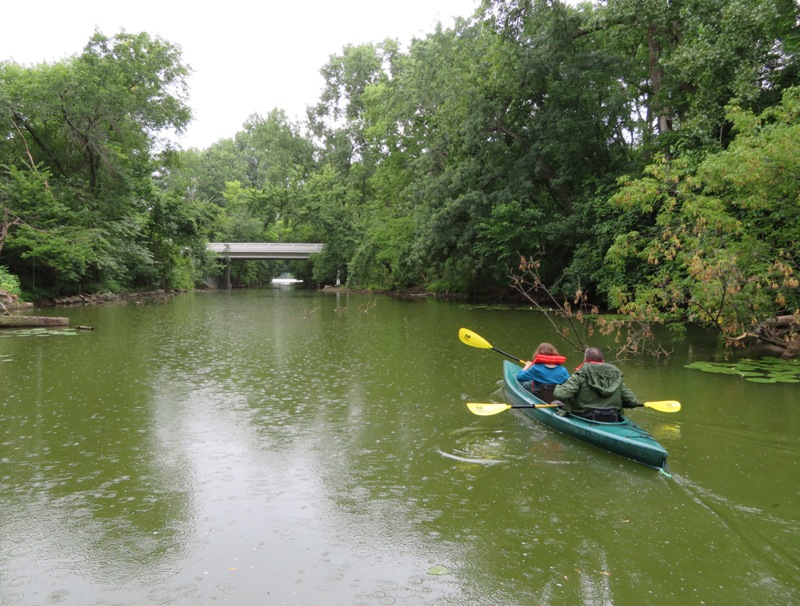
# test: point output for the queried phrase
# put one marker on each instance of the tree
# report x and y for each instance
(93, 124)
(337, 198)
(722, 249)
(487, 134)
(692, 57)
(276, 153)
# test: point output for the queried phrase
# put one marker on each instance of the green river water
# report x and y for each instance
(282, 446)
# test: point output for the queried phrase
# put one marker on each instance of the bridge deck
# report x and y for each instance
(265, 250)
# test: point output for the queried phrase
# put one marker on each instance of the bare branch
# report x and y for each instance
(635, 337)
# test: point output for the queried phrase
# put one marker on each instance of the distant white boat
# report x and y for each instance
(285, 279)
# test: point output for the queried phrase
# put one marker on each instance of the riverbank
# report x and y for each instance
(505, 297)
(11, 302)
(150, 296)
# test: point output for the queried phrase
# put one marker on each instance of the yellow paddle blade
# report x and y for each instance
(664, 405)
(484, 410)
(470, 338)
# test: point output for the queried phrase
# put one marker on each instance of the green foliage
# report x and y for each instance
(80, 157)
(688, 60)
(331, 210)
(441, 164)
(382, 259)
(9, 282)
(722, 247)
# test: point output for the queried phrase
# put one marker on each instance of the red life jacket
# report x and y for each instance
(543, 359)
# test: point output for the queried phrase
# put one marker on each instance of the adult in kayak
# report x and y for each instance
(544, 372)
(596, 390)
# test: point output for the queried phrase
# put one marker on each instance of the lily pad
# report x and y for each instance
(699, 365)
(438, 570)
(766, 370)
(722, 370)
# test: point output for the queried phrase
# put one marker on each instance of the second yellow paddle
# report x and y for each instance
(475, 340)
(487, 409)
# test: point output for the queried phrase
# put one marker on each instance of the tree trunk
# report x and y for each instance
(792, 350)
(656, 71)
(25, 321)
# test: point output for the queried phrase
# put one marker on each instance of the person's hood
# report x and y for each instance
(605, 379)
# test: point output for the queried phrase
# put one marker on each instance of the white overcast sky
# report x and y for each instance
(248, 56)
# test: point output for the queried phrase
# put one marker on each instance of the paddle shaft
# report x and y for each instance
(508, 355)
(676, 407)
(487, 409)
(673, 406)
(647, 404)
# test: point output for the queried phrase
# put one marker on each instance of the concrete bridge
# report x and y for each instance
(261, 250)
(264, 250)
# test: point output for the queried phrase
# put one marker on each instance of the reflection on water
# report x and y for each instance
(664, 431)
(292, 447)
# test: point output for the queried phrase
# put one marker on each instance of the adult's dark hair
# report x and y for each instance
(592, 354)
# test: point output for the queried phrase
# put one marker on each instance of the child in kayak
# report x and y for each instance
(544, 372)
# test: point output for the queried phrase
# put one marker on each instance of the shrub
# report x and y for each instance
(9, 282)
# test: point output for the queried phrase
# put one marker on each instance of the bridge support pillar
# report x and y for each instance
(227, 278)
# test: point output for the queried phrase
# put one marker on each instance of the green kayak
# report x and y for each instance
(624, 438)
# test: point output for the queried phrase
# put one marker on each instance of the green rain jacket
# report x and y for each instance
(595, 385)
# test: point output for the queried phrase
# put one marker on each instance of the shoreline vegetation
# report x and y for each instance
(594, 156)
(11, 303)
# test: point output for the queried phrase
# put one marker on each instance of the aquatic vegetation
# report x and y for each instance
(764, 370)
(38, 332)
